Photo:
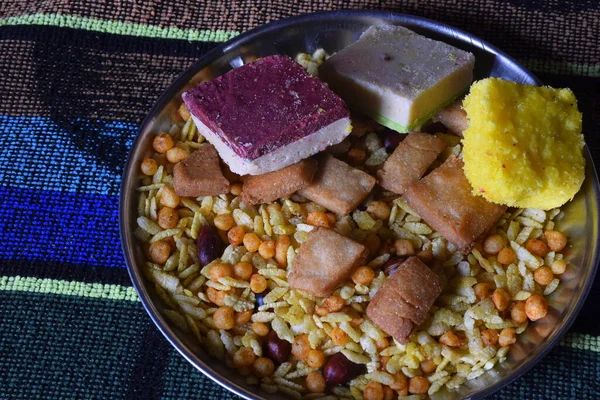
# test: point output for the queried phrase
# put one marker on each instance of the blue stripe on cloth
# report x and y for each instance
(52, 226)
(68, 155)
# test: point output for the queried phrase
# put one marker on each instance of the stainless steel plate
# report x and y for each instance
(333, 31)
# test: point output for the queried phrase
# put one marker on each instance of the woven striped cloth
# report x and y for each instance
(76, 79)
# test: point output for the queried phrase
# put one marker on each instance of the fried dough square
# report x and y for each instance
(337, 186)
(324, 261)
(200, 174)
(282, 183)
(453, 117)
(404, 300)
(445, 201)
(409, 161)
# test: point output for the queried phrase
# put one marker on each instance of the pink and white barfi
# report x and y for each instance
(268, 114)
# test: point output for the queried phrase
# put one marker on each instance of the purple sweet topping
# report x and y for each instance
(264, 105)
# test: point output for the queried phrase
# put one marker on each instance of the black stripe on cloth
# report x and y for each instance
(55, 346)
(182, 381)
(565, 373)
(59, 80)
(106, 42)
(146, 379)
(587, 320)
(559, 6)
(586, 89)
(64, 271)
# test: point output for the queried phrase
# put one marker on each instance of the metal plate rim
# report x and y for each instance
(128, 178)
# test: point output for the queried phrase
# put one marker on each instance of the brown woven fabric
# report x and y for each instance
(553, 30)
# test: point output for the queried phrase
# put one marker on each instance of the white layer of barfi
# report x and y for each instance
(398, 77)
(280, 158)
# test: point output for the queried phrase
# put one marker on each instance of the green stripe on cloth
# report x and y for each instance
(67, 288)
(173, 32)
(581, 341)
(128, 293)
(563, 68)
(119, 28)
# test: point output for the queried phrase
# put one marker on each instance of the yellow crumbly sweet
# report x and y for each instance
(523, 145)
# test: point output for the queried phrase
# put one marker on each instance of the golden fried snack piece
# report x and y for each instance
(444, 199)
(282, 183)
(409, 161)
(404, 300)
(200, 174)
(362, 125)
(337, 186)
(453, 117)
(324, 261)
